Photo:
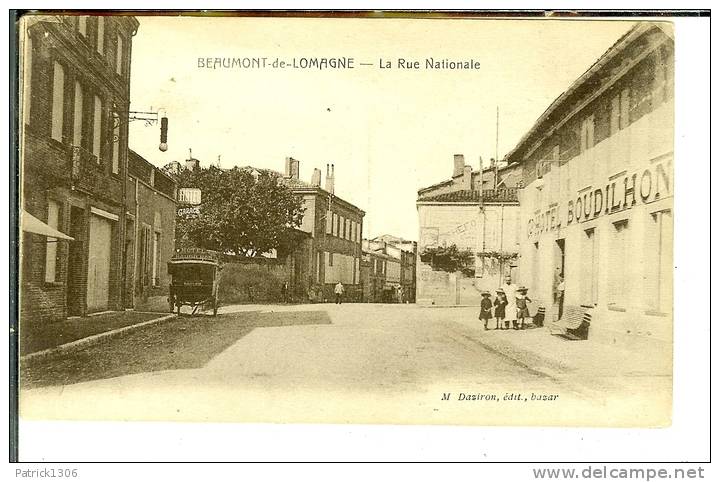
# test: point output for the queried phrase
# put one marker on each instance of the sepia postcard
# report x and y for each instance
(355, 219)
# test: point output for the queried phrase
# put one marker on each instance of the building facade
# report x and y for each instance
(150, 234)
(334, 250)
(476, 213)
(597, 202)
(391, 269)
(75, 73)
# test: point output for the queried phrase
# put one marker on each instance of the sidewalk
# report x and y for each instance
(590, 362)
(36, 337)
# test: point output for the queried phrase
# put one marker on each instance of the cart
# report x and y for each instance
(194, 282)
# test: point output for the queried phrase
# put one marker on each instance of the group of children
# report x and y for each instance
(516, 313)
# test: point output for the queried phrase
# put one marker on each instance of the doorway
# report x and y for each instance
(98, 285)
(559, 277)
(76, 263)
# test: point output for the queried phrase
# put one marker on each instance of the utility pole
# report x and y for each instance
(497, 130)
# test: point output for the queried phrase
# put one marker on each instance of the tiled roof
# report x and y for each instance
(488, 195)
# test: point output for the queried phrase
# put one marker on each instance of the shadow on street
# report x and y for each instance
(188, 342)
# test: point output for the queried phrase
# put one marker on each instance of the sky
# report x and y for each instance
(389, 132)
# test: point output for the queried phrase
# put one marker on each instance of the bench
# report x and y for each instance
(574, 324)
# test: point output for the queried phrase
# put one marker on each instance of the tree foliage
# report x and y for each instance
(450, 259)
(241, 213)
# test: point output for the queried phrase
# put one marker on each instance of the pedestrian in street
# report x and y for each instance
(485, 308)
(284, 289)
(521, 300)
(500, 303)
(510, 290)
(250, 296)
(339, 292)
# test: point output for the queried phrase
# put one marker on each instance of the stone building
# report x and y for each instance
(334, 249)
(393, 262)
(477, 213)
(75, 73)
(150, 234)
(597, 202)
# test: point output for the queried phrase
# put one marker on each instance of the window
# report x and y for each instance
(334, 224)
(100, 35)
(116, 145)
(145, 256)
(341, 228)
(619, 111)
(53, 219)
(328, 222)
(156, 260)
(617, 288)
(28, 80)
(58, 101)
(590, 269)
(587, 133)
(659, 262)
(624, 108)
(119, 55)
(359, 233)
(78, 115)
(330, 259)
(82, 26)
(97, 128)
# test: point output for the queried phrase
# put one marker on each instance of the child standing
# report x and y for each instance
(485, 308)
(500, 302)
(521, 300)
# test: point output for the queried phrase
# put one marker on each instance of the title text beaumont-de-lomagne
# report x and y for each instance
(335, 63)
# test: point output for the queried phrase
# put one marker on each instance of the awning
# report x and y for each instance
(31, 224)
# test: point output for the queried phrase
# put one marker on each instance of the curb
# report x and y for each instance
(91, 339)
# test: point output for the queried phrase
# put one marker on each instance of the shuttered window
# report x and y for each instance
(78, 115)
(328, 222)
(101, 35)
(58, 101)
(617, 286)
(97, 128)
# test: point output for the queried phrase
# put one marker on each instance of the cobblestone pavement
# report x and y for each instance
(354, 363)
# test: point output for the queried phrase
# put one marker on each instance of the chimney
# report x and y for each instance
(458, 164)
(191, 163)
(292, 168)
(330, 179)
(316, 177)
(467, 178)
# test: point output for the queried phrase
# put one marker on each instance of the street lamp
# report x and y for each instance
(163, 132)
(150, 118)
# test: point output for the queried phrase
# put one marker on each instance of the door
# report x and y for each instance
(98, 285)
(558, 277)
(76, 262)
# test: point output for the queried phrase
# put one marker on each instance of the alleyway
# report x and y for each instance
(321, 363)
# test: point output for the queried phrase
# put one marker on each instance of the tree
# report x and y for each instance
(450, 259)
(241, 213)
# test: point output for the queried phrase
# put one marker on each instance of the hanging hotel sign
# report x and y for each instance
(189, 199)
(621, 192)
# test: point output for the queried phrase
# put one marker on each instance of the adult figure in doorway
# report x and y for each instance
(560, 295)
(510, 290)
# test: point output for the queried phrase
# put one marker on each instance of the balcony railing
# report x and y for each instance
(84, 162)
(89, 173)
